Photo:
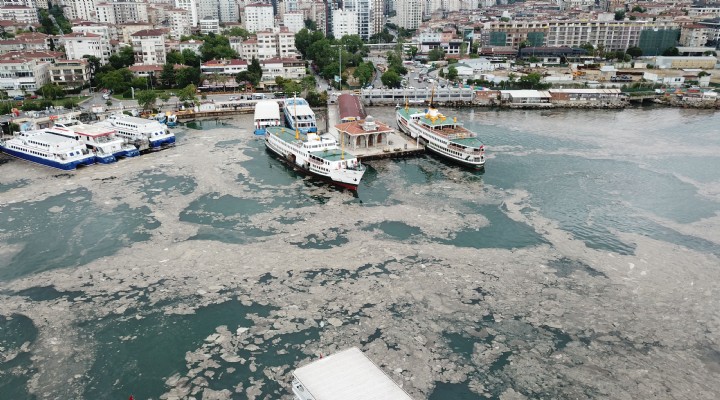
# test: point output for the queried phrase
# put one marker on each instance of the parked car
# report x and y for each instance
(19, 98)
(34, 96)
(233, 98)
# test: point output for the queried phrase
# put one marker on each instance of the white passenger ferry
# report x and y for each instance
(298, 114)
(48, 149)
(133, 129)
(316, 155)
(442, 135)
(101, 140)
(267, 113)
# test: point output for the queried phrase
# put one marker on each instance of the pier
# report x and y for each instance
(396, 145)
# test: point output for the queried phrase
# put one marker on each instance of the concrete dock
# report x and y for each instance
(398, 145)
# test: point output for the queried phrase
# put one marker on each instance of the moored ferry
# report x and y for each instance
(133, 129)
(267, 113)
(316, 155)
(98, 139)
(442, 135)
(299, 115)
(48, 149)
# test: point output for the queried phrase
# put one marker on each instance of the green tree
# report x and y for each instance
(412, 51)
(639, 9)
(139, 83)
(123, 58)
(146, 99)
(452, 73)
(167, 76)
(188, 93)
(316, 99)
(187, 76)
(310, 24)
(308, 82)
(118, 81)
(436, 54)
(304, 39)
(93, 64)
(174, 57)
(364, 73)
(51, 91)
(190, 58)
(391, 79)
(619, 15)
(164, 97)
(236, 31)
(671, 52)
(216, 47)
(634, 52)
(288, 85)
(255, 68)
(245, 77)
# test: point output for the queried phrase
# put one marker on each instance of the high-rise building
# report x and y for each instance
(364, 11)
(258, 17)
(344, 23)
(228, 11)
(409, 13)
(191, 7)
(208, 8)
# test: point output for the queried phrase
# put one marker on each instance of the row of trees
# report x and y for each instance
(392, 78)
(327, 54)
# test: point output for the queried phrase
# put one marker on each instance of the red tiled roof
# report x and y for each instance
(145, 68)
(149, 32)
(355, 128)
(234, 61)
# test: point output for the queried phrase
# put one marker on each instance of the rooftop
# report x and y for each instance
(348, 375)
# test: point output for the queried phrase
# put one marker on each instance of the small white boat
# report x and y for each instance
(267, 113)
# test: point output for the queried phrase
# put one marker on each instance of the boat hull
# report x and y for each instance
(66, 166)
(306, 171)
(404, 126)
(107, 159)
(162, 142)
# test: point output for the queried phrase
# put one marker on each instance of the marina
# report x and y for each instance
(454, 282)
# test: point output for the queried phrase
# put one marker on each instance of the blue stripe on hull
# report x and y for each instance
(127, 153)
(49, 163)
(162, 142)
(105, 159)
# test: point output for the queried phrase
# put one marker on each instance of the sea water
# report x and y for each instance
(573, 185)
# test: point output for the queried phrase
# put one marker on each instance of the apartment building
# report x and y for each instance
(149, 46)
(79, 44)
(130, 28)
(287, 68)
(191, 8)
(107, 32)
(294, 21)
(22, 14)
(275, 43)
(209, 25)
(224, 67)
(119, 12)
(70, 74)
(344, 23)
(258, 17)
(18, 75)
(191, 44)
(409, 13)
(178, 20)
(30, 41)
(228, 11)
(652, 36)
(695, 35)
(79, 9)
